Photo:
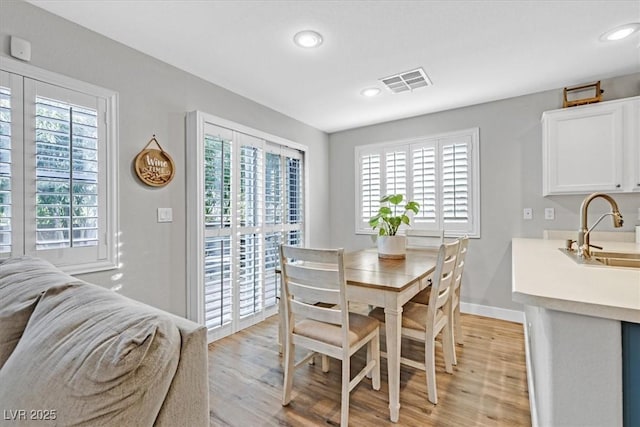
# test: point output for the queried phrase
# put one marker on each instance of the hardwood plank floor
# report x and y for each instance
(488, 386)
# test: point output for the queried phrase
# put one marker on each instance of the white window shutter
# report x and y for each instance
(218, 283)
(273, 192)
(5, 167)
(440, 173)
(66, 175)
(396, 172)
(456, 191)
(218, 169)
(294, 184)
(252, 194)
(424, 183)
(370, 185)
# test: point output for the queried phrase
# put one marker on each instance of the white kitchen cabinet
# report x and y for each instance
(592, 148)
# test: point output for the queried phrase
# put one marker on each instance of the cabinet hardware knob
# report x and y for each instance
(617, 185)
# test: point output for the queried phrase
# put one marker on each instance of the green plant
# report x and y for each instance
(387, 219)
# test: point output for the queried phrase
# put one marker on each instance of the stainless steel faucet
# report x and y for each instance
(584, 232)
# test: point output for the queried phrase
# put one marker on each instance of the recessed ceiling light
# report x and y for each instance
(308, 39)
(370, 92)
(620, 32)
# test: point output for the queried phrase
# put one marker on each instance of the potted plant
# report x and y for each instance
(388, 221)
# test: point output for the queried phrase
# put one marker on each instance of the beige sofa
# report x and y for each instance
(73, 353)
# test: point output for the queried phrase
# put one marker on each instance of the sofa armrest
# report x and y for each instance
(187, 401)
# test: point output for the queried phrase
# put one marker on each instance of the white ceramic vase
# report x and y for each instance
(392, 247)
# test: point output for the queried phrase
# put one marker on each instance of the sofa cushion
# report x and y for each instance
(94, 357)
(22, 281)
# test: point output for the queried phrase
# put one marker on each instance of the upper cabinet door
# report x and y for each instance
(587, 148)
(634, 143)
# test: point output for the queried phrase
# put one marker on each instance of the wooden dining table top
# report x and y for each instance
(365, 268)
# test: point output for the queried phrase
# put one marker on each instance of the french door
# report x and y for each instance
(245, 197)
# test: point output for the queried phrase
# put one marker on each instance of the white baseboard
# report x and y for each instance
(493, 312)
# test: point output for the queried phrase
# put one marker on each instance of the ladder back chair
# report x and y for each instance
(424, 239)
(316, 317)
(423, 323)
(455, 325)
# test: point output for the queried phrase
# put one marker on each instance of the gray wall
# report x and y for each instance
(154, 98)
(511, 179)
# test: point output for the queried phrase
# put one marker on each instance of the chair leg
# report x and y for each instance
(430, 369)
(448, 347)
(458, 326)
(344, 406)
(374, 344)
(289, 367)
(448, 331)
(325, 363)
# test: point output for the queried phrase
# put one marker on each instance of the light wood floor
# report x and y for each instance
(488, 386)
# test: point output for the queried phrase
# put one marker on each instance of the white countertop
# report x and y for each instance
(544, 276)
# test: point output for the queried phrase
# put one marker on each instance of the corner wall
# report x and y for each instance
(154, 98)
(511, 179)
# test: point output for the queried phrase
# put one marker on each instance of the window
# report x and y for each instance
(57, 169)
(441, 173)
(245, 198)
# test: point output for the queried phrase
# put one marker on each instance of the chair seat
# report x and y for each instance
(359, 327)
(422, 297)
(414, 316)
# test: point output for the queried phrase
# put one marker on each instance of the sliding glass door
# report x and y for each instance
(245, 197)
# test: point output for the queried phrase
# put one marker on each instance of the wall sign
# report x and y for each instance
(154, 166)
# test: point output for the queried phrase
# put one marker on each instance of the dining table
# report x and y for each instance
(389, 283)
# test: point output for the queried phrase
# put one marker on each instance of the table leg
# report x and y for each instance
(393, 323)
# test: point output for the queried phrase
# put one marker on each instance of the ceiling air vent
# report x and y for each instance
(407, 81)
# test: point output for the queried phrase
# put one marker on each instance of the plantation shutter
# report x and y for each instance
(218, 282)
(249, 215)
(424, 183)
(66, 175)
(274, 220)
(396, 171)
(440, 173)
(273, 191)
(294, 188)
(370, 180)
(252, 192)
(455, 183)
(218, 261)
(5, 165)
(58, 169)
(65, 148)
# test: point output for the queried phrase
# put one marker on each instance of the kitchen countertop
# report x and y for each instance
(544, 276)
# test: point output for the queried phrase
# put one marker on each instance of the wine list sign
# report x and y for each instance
(154, 166)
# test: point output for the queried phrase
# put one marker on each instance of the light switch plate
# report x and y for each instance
(165, 215)
(527, 213)
(549, 213)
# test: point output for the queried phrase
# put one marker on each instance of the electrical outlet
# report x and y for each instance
(527, 213)
(549, 213)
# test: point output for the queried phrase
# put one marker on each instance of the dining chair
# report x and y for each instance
(316, 317)
(424, 239)
(423, 323)
(454, 324)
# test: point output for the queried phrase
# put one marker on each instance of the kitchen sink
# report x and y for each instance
(603, 258)
(617, 259)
